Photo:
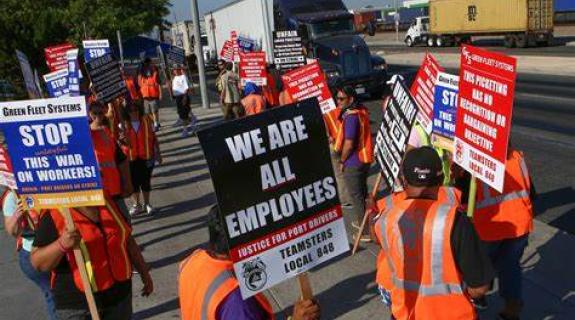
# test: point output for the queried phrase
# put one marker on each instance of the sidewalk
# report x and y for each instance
(345, 288)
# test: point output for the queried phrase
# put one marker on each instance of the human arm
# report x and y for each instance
(141, 266)
(306, 310)
(471, 257)
(124, 168)
(49, 248)
(13, 214)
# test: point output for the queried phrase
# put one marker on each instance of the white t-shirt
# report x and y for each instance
(180, 85)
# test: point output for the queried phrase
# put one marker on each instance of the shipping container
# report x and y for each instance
(522, 22)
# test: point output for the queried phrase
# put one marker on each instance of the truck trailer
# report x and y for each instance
(325, 26)
(450, 22)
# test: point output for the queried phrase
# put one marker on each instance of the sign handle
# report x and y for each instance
(366, 215)
(82, 268)
(305, 286)
(472, 196)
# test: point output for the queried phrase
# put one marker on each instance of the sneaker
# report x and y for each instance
(135, 209)
(347, 205)
(480, 304)
(363, 238)
(178, 123)
(149, 209)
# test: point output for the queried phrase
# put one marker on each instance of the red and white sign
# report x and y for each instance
(6, 172)
(56, 56)
(307, 82)
(253, 68)
(235, 46)
(227, 52)
(423, 90)
(484, 110)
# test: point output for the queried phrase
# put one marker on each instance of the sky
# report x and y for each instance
(181, 8)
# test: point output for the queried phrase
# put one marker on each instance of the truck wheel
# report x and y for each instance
(409, 42)
(522, 40)
(439, 41)
(509, 41)
(430, 41)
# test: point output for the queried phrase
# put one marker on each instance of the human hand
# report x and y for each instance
(70, 239)
(148, 284)
(306, 310)
(341, 167)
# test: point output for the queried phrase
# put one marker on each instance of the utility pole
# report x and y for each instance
(199, 55)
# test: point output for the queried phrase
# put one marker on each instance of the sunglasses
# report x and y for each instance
(341, 98)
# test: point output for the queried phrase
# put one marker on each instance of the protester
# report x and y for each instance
(22, 225)
(114, 166)
(274, 86)
(504, 221)
(149, 83)
(253, 101)
(143, 152)
(354, 144)
(180, 91)
(431, 258)
(208, 288)
(221, 71)
(230, 95)
(418, 137)
(132, 86)
(107, 244)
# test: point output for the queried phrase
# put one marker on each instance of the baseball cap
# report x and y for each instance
(422, 167)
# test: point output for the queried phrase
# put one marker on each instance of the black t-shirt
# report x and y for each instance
(66, 295)
(470, 254)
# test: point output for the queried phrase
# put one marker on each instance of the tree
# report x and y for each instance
(32, 25)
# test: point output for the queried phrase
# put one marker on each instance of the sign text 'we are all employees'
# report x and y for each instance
(274, 175)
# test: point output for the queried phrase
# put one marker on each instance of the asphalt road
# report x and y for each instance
(544, 128)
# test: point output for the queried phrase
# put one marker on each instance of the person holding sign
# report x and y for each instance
(114, 167)
(504, 221)
(209, 289)
(253, 102)
(149, 83)
(143, 152)
(107, 244)
(431, 259)
(353, 142)
(230, 94)
(22, 225)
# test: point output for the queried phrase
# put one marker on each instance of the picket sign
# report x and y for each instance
(81, 267)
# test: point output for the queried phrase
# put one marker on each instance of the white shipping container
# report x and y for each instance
(252, 19)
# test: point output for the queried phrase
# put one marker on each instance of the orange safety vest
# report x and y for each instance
(105, 150)
(332, 122)
(365, 146)
(204, 283)
(270, 91)
(417, 265)
(131, 85)
(149, 86)
(104, 247)
(141, 143)
(506, 215)
(254, 104)
(285, 98)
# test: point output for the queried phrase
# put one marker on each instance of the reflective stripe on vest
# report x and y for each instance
(423, 136)
(491, 201)
(438, 287)
(218, 282)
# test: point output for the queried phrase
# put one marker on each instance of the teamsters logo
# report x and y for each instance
(254, 274)
(466, 54)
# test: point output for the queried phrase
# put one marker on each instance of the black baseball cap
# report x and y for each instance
(422, 167)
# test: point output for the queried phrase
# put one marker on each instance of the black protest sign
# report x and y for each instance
(393, 134)
(176, 55)
(277, 194)
(288, 51)
(106, 78)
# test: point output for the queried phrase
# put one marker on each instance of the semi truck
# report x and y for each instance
(523, 23)
(325, 26)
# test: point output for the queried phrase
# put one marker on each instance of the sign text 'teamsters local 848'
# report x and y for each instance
(51, 151)
(276, 193)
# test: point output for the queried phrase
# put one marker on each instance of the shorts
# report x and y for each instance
(141, 173)
(151, 106)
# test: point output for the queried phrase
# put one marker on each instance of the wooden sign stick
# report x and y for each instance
(472, 196)
(366, 215)
(82, 268)
(305, 286)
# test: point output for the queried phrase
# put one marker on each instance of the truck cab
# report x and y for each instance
(328, 34)
(418, 32)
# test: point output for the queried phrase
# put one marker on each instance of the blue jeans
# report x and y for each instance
(506, 256)
(41, 279)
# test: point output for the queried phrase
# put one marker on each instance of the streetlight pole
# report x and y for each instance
(199, 55)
